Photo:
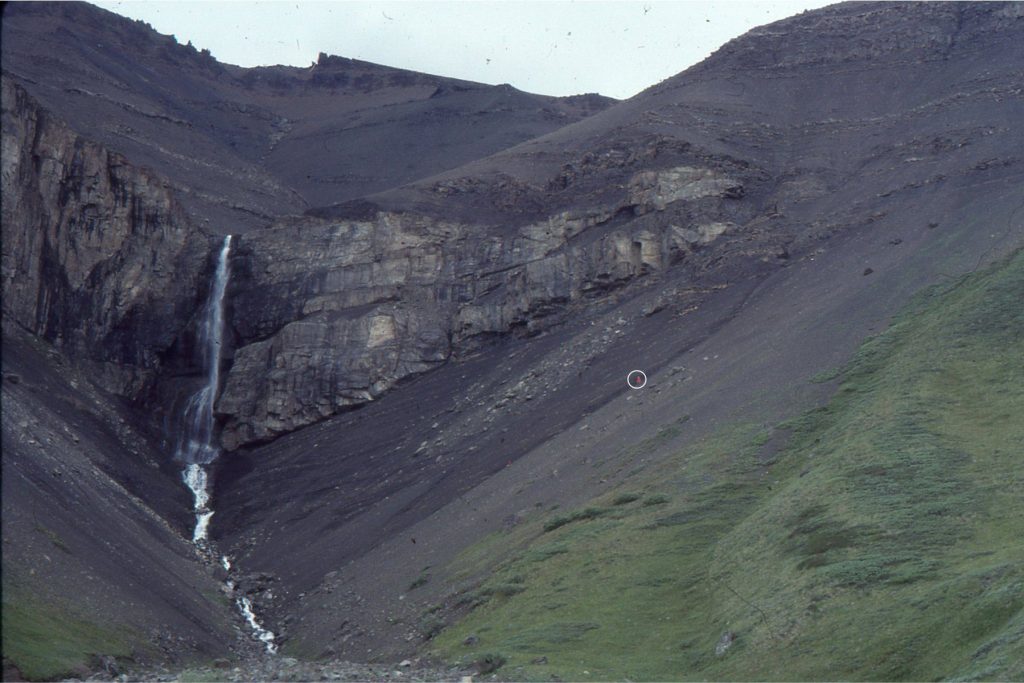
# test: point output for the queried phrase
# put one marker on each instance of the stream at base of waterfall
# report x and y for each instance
(197, 446)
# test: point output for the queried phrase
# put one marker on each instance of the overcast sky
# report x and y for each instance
(549, 47)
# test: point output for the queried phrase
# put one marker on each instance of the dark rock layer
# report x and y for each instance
(98, 257)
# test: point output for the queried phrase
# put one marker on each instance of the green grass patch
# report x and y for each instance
(545, 552)
(503, 590)
(430, 625)
(884, 542)
(625, 498)
(47, 643)
(488, 663)
(575, 516)
(422, 580)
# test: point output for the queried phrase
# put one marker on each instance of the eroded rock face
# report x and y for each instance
(332, 314)
(325, 314)
(97, 256)
(330, 310)
(655, 190)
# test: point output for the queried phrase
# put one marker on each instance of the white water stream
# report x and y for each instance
(245, 605)
(197, 447)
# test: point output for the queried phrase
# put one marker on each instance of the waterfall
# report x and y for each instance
(196, 445)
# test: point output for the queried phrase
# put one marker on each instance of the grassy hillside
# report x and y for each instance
(47, 643)
(884, 539)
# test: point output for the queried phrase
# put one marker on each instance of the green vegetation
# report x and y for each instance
(625, 498)
(420, 580)
(488, 663)
(585, 513)
(46, 643)
(885, 540)
(430, 625)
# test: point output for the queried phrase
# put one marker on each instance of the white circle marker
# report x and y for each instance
(636, 379)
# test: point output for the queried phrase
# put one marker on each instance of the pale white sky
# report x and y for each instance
(550, 47)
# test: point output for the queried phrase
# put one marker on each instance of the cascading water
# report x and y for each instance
(197, 448)
(262, 634)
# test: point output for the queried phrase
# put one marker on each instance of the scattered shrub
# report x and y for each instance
(585, 513)
(625, 498)
(488, 663)
(504, 590)
(545, 552)
(421, 580)
(431, 625)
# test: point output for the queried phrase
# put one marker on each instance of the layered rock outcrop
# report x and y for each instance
(719, 162)
(329, 310)
(330, 314)
(98, 257)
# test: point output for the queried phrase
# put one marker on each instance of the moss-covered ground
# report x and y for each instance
(884, 541)
(47, 642)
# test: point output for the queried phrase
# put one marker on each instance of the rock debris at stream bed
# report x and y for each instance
(291, 669)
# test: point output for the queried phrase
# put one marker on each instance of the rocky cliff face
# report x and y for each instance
(331, 310)
(721, 162)
(98, 257)
(330, 314)
(732, 231)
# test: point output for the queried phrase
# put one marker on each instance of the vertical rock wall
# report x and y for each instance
(97, 256)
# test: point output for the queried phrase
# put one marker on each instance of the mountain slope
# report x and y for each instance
(877, 537)
(245, 145)
(423, 400)
(493, 441)
(695, 174)
(97, 571)
(732, 252)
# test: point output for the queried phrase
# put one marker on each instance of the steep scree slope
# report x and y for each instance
(96, 565)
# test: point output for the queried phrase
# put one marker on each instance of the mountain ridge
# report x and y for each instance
(185, 114)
